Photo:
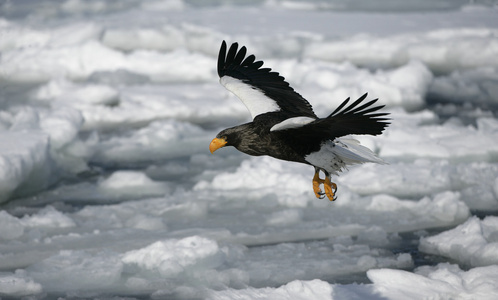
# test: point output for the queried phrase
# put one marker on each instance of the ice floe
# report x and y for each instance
(108, 189)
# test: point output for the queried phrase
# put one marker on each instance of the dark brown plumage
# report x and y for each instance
(284, 125)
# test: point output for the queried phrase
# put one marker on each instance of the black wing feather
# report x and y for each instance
(340, 106)
(353, 119)
(239, 57)
(270, 83)
(231, 53)
(221, 58)
(365, 106)
(347, 109)
(257, 64)
(249, 61)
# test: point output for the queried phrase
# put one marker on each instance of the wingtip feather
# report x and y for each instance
(221, 58)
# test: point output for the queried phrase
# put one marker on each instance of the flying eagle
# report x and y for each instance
(284, 125)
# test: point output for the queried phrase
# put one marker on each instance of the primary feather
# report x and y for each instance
(270, 85)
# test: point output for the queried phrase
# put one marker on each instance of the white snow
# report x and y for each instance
(472, 243)
(172, 257)
(12, 227)
(76, 270)
(108, 189)
(299, 290)
(18, 284)
(24, 158)
(443, 281)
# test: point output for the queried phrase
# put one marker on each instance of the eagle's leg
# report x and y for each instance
(316, 184)
(330, 188)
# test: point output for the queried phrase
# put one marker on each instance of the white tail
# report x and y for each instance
(351, 152)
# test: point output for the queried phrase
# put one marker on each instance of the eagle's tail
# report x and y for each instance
(351, 152)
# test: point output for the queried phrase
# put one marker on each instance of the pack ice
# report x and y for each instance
(108, 190)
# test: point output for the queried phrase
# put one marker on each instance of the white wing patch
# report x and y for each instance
(254, 99)
(292, 123)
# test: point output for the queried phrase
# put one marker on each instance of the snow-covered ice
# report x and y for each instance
(108, 189)
(445, 281)
(473, 243)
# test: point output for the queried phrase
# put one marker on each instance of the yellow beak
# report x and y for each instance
(216, 144)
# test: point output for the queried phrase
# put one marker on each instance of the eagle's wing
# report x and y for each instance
(357, 118)
(259, 89)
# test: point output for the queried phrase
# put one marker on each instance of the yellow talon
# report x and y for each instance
(330, 189)
(329, 186)
(316, 185)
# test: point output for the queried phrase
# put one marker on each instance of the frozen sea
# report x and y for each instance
(108, 189)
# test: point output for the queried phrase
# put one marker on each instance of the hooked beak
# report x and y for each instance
(216, 144)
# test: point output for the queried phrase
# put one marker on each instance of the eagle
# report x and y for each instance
(285, 127)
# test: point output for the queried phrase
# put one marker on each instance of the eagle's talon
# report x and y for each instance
(330, 189)
(316, 186)
(320, 195)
